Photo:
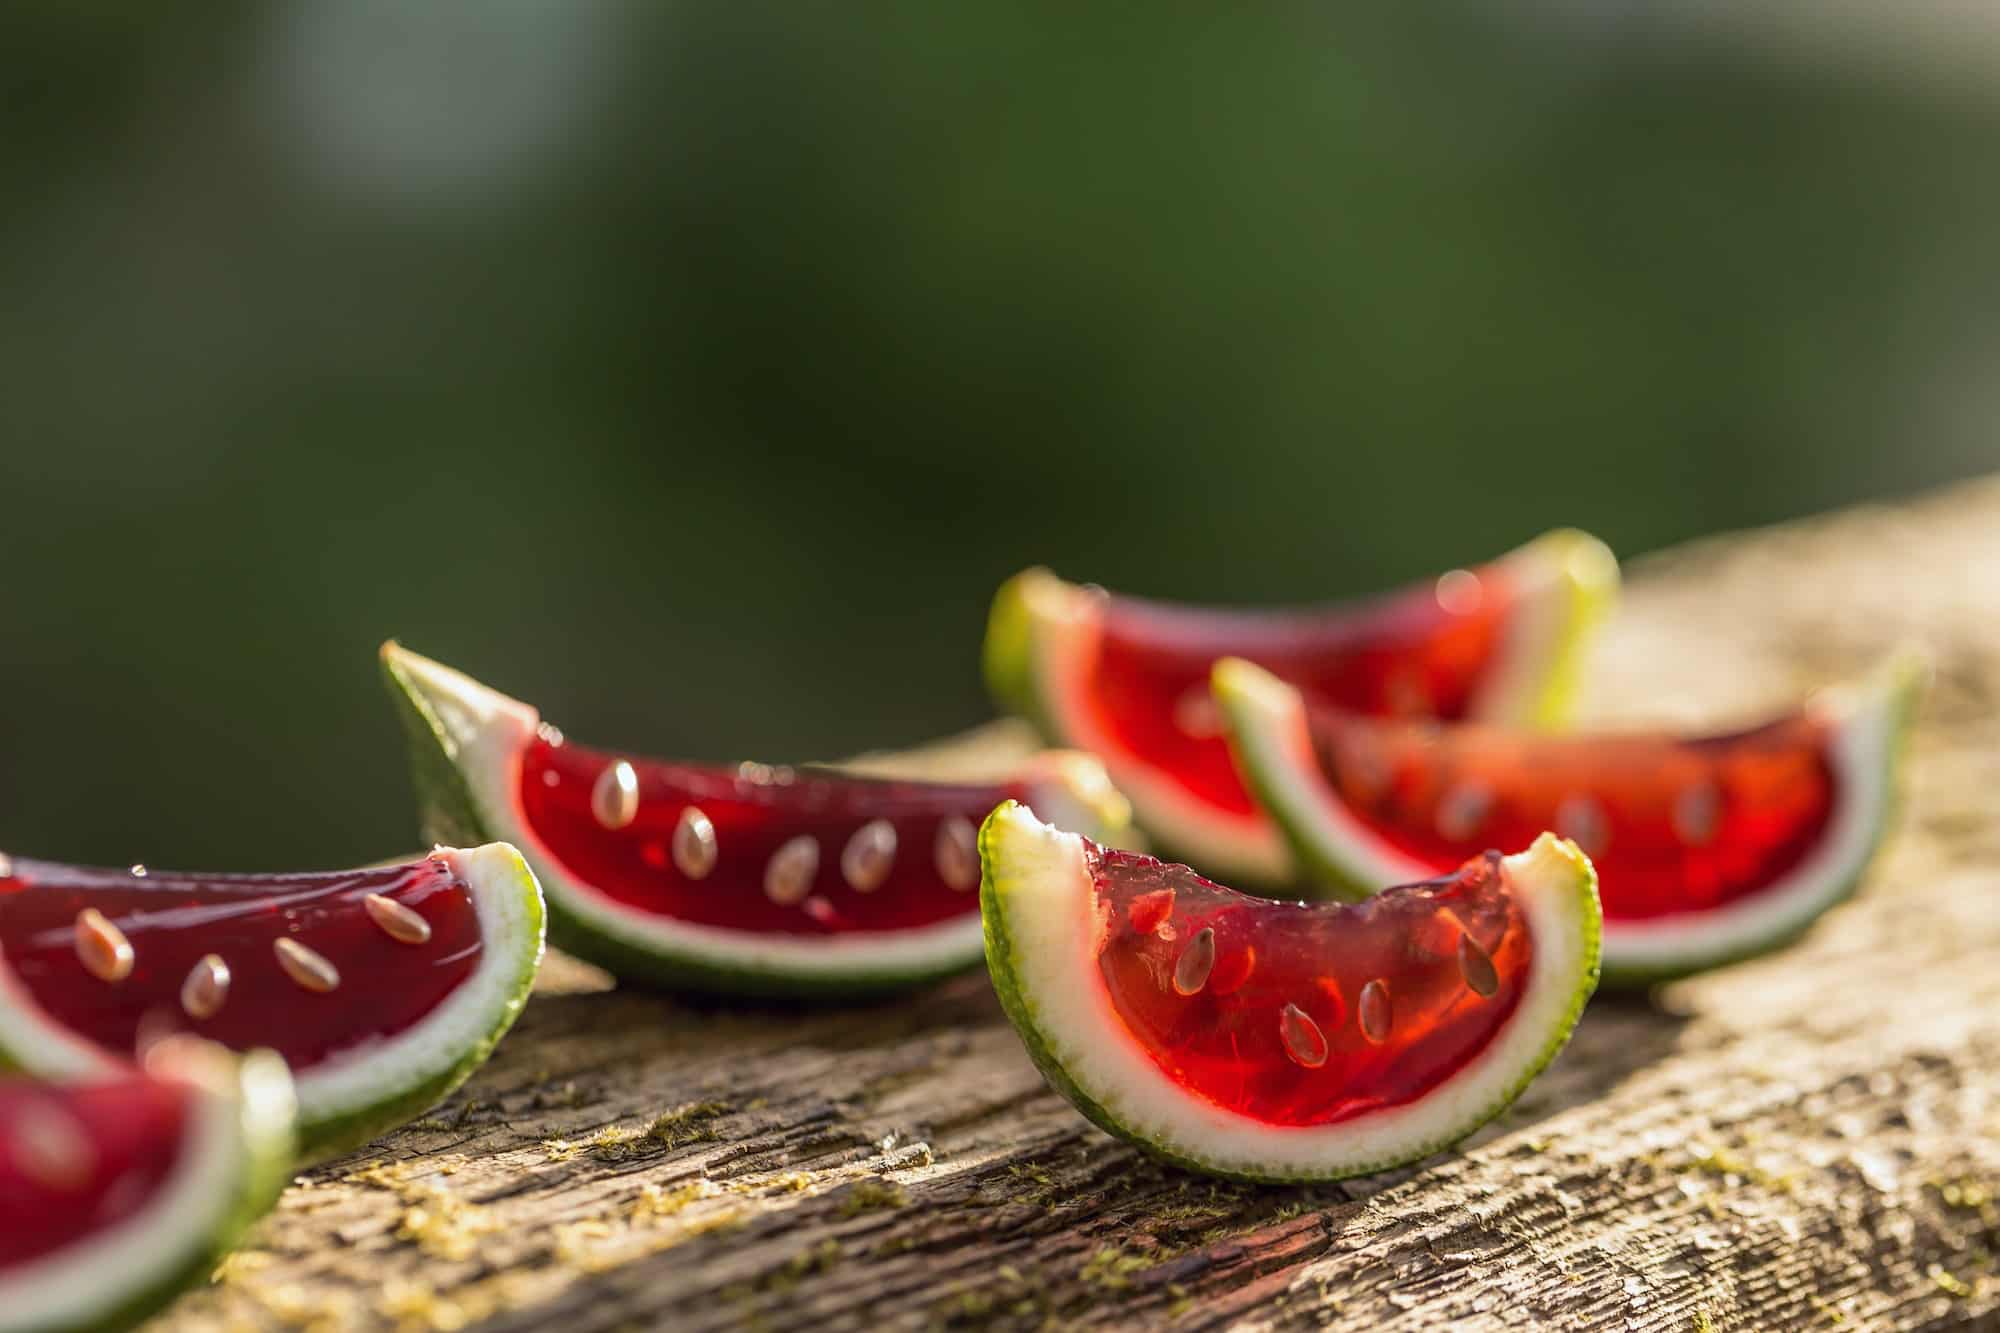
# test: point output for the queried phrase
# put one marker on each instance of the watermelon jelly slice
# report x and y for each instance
(383, 988)
(1284, 1041)
(118, 1191)
(1711, 848)
(742, 878)
(1128, 679)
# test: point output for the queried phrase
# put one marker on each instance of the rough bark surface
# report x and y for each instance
(1809, 1141)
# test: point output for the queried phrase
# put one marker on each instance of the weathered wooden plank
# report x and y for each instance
(1812, 1141)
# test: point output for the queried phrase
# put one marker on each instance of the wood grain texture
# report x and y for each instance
(1807, 1142)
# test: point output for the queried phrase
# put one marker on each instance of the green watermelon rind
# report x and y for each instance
(1547, 673)
(264, 1164)
(1577, 981)
(450, 808)
(331, 1136)
(1007, 652)
(1251, 701)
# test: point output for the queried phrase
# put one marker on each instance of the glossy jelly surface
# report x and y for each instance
(1308, 1014)
(304, 965)
(1421, 652)
(758, 848)
(1672, 825)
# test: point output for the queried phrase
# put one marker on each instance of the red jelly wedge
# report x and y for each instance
(1284, 1041)
(1709, 847)
(118, 1191)
(1128, 679)
(739, 878)
(382, 988)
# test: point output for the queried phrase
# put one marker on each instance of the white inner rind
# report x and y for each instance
(365, 1075)
(89, 1280)
(1268, 723)
(490, 731)
(359, 1077)
(1042, 882)
(1563, 582)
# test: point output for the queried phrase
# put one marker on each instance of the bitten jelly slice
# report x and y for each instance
(1301, 1015)
(1275, 1040)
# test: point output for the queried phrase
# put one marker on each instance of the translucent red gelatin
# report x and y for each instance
(1672, 825)
(74, 1161)
(173, 921)
(754, 810)
(1306, 1014)
(1407, 654)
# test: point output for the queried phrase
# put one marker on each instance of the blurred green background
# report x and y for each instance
(696, 371)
